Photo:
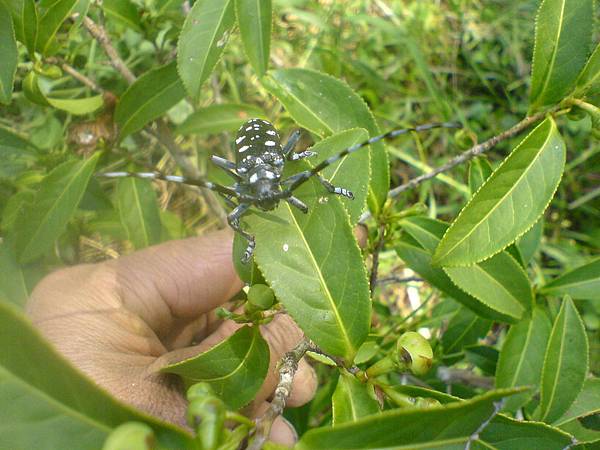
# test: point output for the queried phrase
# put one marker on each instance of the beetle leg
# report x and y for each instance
(300, 155)
(334, 189)
(234, 222)
(291, 143)
(228, 166)
(294, 201)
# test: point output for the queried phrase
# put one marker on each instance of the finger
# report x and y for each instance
(282, 431)
(178, 279)
(304, 385)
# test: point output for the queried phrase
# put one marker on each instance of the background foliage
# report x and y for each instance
(495, 261)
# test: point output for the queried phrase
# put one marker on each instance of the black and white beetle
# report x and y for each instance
(258, 171)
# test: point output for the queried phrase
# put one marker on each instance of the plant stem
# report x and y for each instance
(287, 370)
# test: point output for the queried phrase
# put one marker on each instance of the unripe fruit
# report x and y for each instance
(131, 436)
(261, 296)
(207, 417)
(422, 402)
(414, 352)
(199, 390)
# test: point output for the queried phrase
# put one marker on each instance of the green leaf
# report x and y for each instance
(479, 171)
(13, 284)
(562, 37)
(588, 82)
(521, 358)
(8, 55)
(326, 105)
(218, 118)
(30, 26)
(504, 433)
(416, 248)
(580, 283)
(235, 368)
(57, 407)
(449, 427)
(54, 205)
(300, 256)
(510, 201)
(565, 363)
(152, 95)
(139, 211)
(586, 403)
(202, 40)
(50, 22)
(254, 19)
(529, 243)
(499, 282)
(16, 154)
(352, 400)
(124, 11)
(348, 173)
(465, 328)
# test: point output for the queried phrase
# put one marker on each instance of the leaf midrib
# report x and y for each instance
(522, 356)
(560, 363)
(503, 198)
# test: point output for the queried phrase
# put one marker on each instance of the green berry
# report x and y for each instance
(414, 352)
(261, 296)
(131, 436)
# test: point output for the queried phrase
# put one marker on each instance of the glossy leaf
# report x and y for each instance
(300, 256)
(479, 171)
(499, 282)
(123, 10)
(152, 95)
(325, 105)
(54, 205)
(8, 55)
(139, 211)
(202, 40)
(57, 407)
(522, 357)
(30, 25)
(509, 203)
(254, 19)
(589, 81)
(448, 427)
(529, 243)
(504, 433)
(348, 173)
(235, 368)
(218, 118)
(352, 400)
(580, 283)
(565, 363)
(424, 235)
(51, 21)
(465, 328)
(562, 38)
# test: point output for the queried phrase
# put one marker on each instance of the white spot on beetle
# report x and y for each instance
(270, 143)
(248, 129)
(271, 132)
(240, 139)
(244, 148)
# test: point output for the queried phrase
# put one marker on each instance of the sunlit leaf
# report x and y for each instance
(586, 403)
(479, 171)
(565, 363)
(254, 19)
(580, 283)
(57, 407)
(589, 81)
(202, 40)
(510, 201)
(54, 205)
(30, 25)
(124, 11)
(8, 55)
(152, 95)
(499, 282)
(300, 256)
(562, 38)
(139, 212)
(235, 368)
(521, 357)
(352, 400)
(325, 105)
(218, 118)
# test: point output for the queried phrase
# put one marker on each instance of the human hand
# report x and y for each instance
(120, 321)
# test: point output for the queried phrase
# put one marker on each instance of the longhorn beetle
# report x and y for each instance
(258, 170)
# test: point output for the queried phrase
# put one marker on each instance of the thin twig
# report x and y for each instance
(76, 74)
(100, 34)
(287, 370)
(376, 252)
(497, 407)
(396, 279)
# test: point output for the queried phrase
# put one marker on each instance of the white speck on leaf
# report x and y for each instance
(323, 199)
(286, 247)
